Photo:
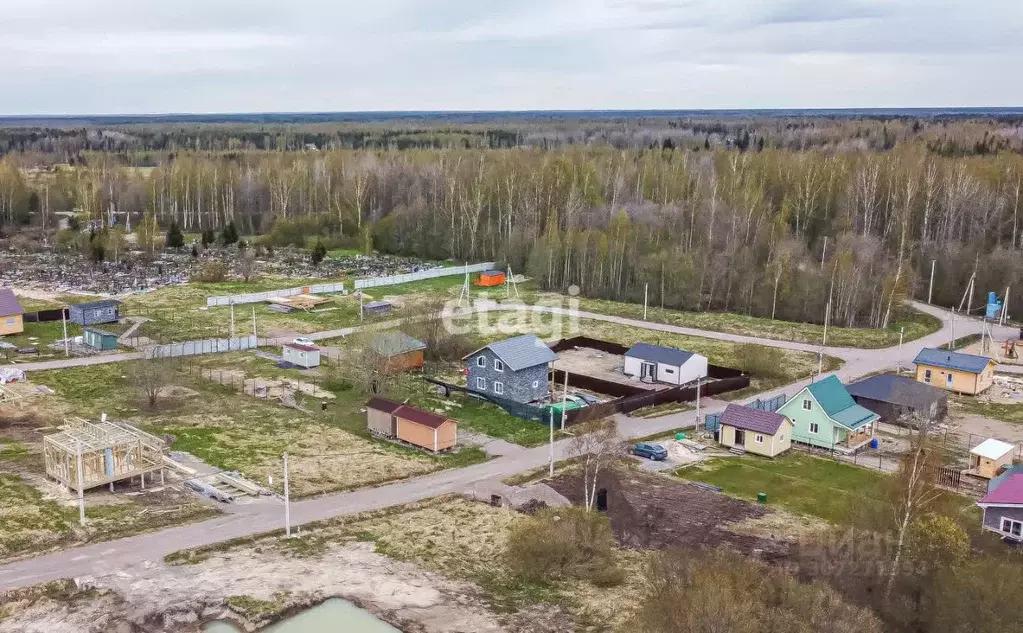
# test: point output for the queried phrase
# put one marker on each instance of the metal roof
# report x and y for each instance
(659, 354)
(952, 360)
(102, 303)
(96, 330)
(419, 416)
(520, 352)
(895, 389)
(302, 348)
(383, 404)
(754, 420)
(9, 305)
(834, 398)
(395, 343)
(1008, 492)
(992, 449)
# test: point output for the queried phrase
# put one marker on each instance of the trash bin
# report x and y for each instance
(874, 443)
(761, 497)
(680, 436)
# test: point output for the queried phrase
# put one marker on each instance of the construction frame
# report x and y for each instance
(88, 454)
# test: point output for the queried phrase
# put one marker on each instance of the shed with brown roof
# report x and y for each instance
(427, 430)
(380, 418)
(762, 432)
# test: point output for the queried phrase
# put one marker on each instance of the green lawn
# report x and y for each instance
(996, 411)
(916, 324)
(489, 419)
(797, 482)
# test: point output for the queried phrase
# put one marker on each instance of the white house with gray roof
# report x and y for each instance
(655, 363)
(515, 369)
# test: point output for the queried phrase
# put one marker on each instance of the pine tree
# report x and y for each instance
(175, 238)
(319, 252)
(208, 237)
(229, 235)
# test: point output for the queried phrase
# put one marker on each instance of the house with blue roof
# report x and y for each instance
(825, 415)
(656, 363)
(954, 371)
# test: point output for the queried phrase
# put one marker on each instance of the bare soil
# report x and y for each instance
(650, 511)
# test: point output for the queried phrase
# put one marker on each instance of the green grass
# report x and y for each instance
(799, 483)
(961, 342)
(12, 451)
(997, 411)
(916, 324)
(490, 419)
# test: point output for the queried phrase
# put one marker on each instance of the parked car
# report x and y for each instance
(302, 340)
(587, 398)
(655, 452)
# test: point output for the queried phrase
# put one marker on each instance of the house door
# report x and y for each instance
(647, 370)
(948, 380)
(740, 437)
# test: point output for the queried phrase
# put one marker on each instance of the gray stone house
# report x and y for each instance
(515, 369)
(1003, 505)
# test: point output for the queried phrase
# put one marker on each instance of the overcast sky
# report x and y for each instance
(147, 56)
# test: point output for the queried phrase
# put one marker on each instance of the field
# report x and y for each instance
(1007, 412)
(806, 485)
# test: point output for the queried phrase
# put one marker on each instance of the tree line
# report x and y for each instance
(771, 233)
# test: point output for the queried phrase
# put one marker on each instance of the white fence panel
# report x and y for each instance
(259, 297)
(433, 273)
(208, 346)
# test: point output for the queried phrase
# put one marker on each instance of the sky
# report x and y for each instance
(204, 56)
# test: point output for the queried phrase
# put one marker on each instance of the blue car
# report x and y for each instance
(655, 452)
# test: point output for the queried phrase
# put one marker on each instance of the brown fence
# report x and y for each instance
(596, 385)
(593, 343)
(653, 398)
(46, 316)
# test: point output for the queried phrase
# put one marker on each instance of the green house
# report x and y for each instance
(824, 415)
(99, 339)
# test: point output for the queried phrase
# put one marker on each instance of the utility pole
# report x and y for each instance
(287, 499)
(232, 319)
(360, 304)
(824, 340)
(951, 341)
(646, 294)
(697, 427)
(902, 331)
(930, 290)
(1004, 316)
(81, 490)
(564, 400)
(63, 323)
(253, 321)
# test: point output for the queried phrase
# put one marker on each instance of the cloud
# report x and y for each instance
(323, 55)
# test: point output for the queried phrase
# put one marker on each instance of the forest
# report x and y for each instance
(761, 216)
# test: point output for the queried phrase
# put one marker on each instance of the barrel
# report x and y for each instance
(761, 497)
(874, 443)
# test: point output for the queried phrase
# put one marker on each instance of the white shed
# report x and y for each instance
(655, 363)
(302, 355)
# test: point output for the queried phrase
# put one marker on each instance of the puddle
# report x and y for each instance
(333, 616)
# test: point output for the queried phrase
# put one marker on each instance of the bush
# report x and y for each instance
(761, 361)
(564, 544)
(212, 272)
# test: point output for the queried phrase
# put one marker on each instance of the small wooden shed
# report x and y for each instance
(99, 339)
(380, 418)
(427, 430)
(988, 457)
(491, 278)
(399, 351)
(379, 308)
(306, 356)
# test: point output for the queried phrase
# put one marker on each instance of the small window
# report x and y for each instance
(807, 404)
(536, 384)
(759, 439)
(781, 438)
(1012, 527)
(10, 321)
(498, 388)
(815, 428)
(927, 375)
(481, 384)
(481, 361)
(110, 312)
(669, 370)
(498, 365)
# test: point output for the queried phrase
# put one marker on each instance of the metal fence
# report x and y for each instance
(195, 348)
(259, 297)
(433, 273)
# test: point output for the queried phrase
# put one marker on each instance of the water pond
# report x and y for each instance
(333, 616)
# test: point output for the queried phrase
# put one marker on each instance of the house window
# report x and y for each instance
(481, 384)
(10, 322)
(669, 370)
(110, 312)
(498, 387)
(927, 375)
(807, 404)
(759, 439)
(536, 384)
(1012, 527)
(815, 428)
(498, 364)
(481, 361)
(781, 438)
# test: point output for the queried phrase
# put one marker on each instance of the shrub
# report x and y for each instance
(212, 272)
(761, 361)
(564, 544)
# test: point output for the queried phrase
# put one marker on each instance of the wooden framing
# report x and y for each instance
(109, 452)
